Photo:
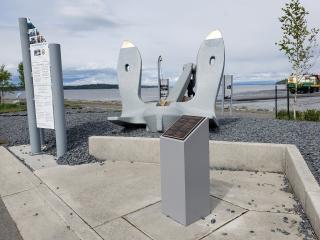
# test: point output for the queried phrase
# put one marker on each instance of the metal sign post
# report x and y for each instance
(223, 94)
(276, 99)
(227, 92)
(288, 102)
(231, 95)
(159, 76)
(58, 99)
(32, 122)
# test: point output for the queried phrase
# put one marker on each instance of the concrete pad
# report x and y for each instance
(67, 214)
(262, 226)
(151, 221)
(35, 219)
(14, 176)
(43, 200)
(100, 193)
(120, 229)
(35, 162)
(259, 191)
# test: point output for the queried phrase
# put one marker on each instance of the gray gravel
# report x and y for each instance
(83, 123)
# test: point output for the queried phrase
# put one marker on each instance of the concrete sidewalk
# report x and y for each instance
(121, 200)
(8, 228)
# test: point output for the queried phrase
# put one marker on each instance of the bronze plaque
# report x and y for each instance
(183, 127)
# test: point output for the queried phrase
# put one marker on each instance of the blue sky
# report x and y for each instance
(91, 33)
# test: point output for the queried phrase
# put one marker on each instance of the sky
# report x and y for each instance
(91, 34)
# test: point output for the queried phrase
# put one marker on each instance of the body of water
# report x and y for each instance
(147, 94)
(151, 94)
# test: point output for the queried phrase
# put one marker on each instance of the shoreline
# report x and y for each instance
(240, 109)
(252, 101)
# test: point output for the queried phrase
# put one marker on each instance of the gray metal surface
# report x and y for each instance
(34, 132)
(209, 72)
(210, 68)
(58, 99)
(180, 87)
(185, 181)
(129, 77)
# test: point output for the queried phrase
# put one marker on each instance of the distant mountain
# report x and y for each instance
(254, 82)
(284, 81)
(92, 86)
(99, 86)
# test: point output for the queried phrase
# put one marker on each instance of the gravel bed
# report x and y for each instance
(83, 123)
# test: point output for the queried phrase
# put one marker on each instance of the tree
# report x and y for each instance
(21, 75)
(5, 82)
(298, 43)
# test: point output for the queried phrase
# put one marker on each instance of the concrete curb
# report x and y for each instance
(312, 209)
(304, 185)
(227, 155)
(247, 156)
(136, 149)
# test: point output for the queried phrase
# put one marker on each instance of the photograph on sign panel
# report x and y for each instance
(37, 52)
(34, 35)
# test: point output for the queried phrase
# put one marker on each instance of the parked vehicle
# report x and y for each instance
(308, 84)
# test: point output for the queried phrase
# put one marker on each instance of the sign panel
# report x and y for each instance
(183, 127)
(164, 88)
(228, 85)
(40, 62)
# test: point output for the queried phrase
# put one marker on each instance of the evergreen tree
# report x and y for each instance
(21, 75)
(5, 82)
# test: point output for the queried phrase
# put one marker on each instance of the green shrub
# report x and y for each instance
(282, 114)
(12, 107)
(309, 115)
(312, 115)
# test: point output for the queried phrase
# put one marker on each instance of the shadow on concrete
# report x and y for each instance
(8, 228)
(223, 187)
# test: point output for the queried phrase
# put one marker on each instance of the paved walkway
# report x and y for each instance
(8, 228)
(121, 200)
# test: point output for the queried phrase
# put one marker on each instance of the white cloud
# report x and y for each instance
(91, 33)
